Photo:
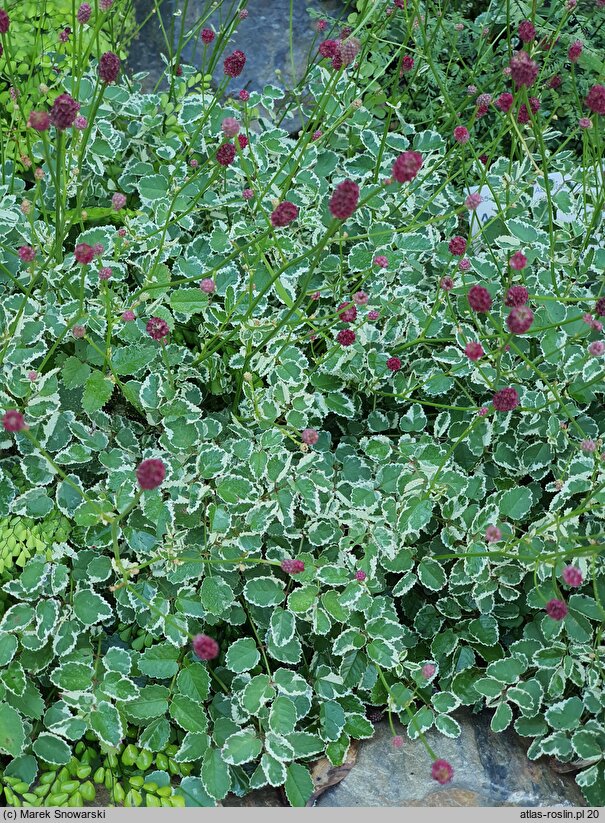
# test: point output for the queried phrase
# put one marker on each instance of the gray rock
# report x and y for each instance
(489, 770)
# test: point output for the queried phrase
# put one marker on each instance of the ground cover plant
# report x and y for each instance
(299, 425)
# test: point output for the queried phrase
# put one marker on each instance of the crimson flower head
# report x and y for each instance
(523, 69)
(206, 648)
(234, 63)
(242, 140)
(407, 63)
(457, 245)
(109, 67)
(574, 51)
(516, 296)
(27, 254)
(13, 421)
(64, 111)
(207, 36)
(572, 576)
(157, 328)
(328, 48)
(518, 261)
(382, 261)
(446, 283)
(84, 253)
(4, 22)
(474, 351)
(348, 50)
(397, 741)
(479, 299)
(284, 214)
(150, 474)
(226, 154)
(527, 31)
(39, 120)
(506, 400)
(309, 436)
(428, 670)
(346, 337)
(361, 298)
(596, 99)
(347, 312)
(505, 101)
(230, 126)
(407, 166)
(360, 575)
(118, 201)
(344, 200)
(442, 771)
(292, 566)
(393, 364)
(244, 95)
(84, 12)
(207, 285)
(557, 609)
(520, 319)
(461, 134)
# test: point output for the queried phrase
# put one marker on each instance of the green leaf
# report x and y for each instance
(283, 626)
(74, 373)
(72, 677)
(90, 608)
(215, 774)
(12, 732)
(160, 661)
(152, 702)
(502, 718)
(332, 719)
(516, 503)
(97, 391)
(187, 302)
(447, 726)
(8, 647)
(194, 682)
(216, 595)
(52, 749)
(195, 794)
(242, 747)
(566, 714)
(242, 655)
(193, 747)
(264, 591)
(431, 574)
(188, 714)
(283, 715)
(155, 735)
(299, 785)
(106, 723)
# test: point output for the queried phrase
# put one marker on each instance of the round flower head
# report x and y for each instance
(206, 648)
(393, 364)
(309, 436)
(39, 120)
(98, 249)
(505, 400)
(397, 741)
(523, 69)
(128, 315)
(518, 261)
(505, 101)
(244, 95)
(428, 670)
(473, 201)
(597, 348)
(574, 51)
(150, 474)
(157, 328)
(346, 337)
(349, 49)
(207, 285)
(523, 115)
(292, 566)
(446, 283)
(382, 261)
(32, 375)
(27, 254)
(316, 134)
(360, 298)
(84, 253)
(83, 15)
(284, 214)
(207, 36)
(242, 140)
(464, 264)
(344, 200)
(360, 575)
(555, 81)
(4, 22)
(407, 63)
(105, 273)
(572, 576)
(461, 134)
(243, 14)
(78, 331)
(556, 609)
(64, 111)
(234, 63)
(13, 421)
(585, 123)
(80, 123)
(516, 296)
(520, 319)
(373, 314)
(248, 194)
(105, 5)
(230, 126)
(118, 201)
(600, 307)
(347, 312)
(474, 351)
(441, 771)
(407, 166)
(527, 31)
(328, 48)
(109, 67)
(595, 99)
(493, 534)
(457, 245)
(226, 154)
(479, 299)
